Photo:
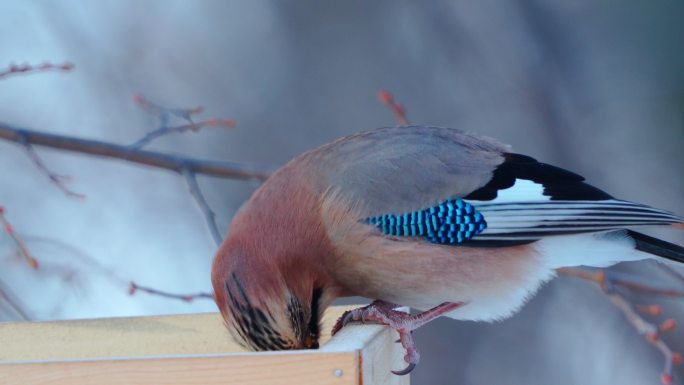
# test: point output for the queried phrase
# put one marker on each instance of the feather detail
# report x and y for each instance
(529, 221)
(397, 170)
(526, 179)
(522, 191)
(451, 222)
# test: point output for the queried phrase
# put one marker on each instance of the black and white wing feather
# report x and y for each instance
(527, 200)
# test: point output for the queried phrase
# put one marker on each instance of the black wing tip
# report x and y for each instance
(559, 183)
(550, 171)
(657, 246)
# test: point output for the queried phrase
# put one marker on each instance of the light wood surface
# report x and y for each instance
(187, 350)
(115, 337)
(126, 337)
(378, 353)
(247, 369)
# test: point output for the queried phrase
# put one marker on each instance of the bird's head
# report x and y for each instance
(270, 280)
(266, 306)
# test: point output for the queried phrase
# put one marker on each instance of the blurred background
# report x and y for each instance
(595, 87)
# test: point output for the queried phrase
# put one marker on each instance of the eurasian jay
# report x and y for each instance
(437, 219)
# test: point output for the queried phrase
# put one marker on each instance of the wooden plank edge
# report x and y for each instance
(296, 367)
(378, 354)
(200, 333)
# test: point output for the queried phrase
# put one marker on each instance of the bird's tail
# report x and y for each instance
(657, 247)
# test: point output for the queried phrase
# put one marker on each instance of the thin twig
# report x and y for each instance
(397, 109)
(25, 69)
(645, 328)
(208, 213)
(7, 226)
(627, 281)
(95, 267)
(175, 163)
(608, 282)
(13, 302)
(195, 127)
(164, 114)
(58, 180)
(134, 287)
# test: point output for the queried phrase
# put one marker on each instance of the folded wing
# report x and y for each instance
(527, 200)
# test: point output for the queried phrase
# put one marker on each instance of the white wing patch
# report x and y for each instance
(522, 191)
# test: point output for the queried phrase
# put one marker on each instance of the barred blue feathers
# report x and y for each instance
(451, 222)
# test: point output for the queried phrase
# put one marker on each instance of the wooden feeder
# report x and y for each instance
(193, 349)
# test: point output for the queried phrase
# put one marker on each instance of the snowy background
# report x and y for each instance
(596, 87)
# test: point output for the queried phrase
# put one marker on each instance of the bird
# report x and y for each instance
(440, 220)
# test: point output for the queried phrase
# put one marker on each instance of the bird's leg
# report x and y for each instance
(383, 313)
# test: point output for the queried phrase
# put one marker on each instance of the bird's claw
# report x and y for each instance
(344, 319)
(412, 356)
(406, 370)
(383, 313)
(364, 315)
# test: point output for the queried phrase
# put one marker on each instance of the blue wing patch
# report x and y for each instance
(451, 222)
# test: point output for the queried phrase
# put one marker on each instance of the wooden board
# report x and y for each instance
(186, 349)
(247, 369)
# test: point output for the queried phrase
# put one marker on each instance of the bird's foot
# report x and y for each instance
(384, 313)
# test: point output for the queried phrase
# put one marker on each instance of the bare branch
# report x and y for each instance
(94, 267)
(209, 215)
(606, 281)
(25, 69)
(397, 109)
(627, 281)
(58, 180)
(177, 163)
(647, 329)
(164, 114)
(195, 127)
(134, 287)
(20, 243)
(13, 302)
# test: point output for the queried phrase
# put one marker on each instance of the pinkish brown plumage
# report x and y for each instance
(426, 217)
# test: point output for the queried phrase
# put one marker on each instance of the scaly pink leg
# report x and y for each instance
(383, 313)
